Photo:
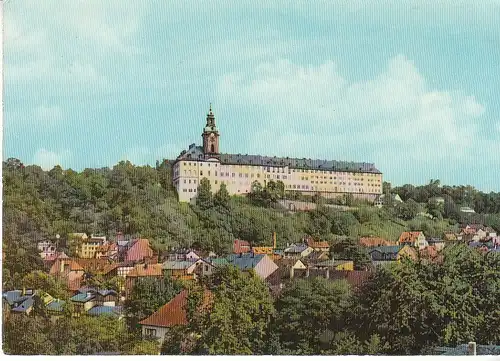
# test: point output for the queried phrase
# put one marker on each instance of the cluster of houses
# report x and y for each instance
(133, 259)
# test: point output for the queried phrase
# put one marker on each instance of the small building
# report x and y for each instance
(385, 254)
(379, 201)
(413, 239)
(240, 246)
(169, 315)
(297, 251)
(47, 249)
(142, 271)
(262, 264)
(318, 246)
(87, 247)
(179, 269)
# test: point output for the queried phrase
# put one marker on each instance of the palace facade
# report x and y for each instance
(238, 171)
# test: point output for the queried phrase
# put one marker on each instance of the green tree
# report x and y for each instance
(222, 197)
(26, 336)
(309, 314)
(235, 323)
(38, 280)
(204, 195)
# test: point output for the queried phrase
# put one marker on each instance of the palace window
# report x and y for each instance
(190, 181)
(201, 172)
(232, 175)
(258, 175)
(216, 173)
(246, 175)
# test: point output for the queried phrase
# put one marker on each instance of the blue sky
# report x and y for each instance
(412, 86)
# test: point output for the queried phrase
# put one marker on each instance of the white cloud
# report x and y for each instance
(48, 159)
(393, 119)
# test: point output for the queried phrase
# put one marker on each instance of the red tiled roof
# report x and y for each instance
(139, 251)
(320, 244)
(174, 312)
(375, 242)
(409, 236)
(146, 270)
(240, 246)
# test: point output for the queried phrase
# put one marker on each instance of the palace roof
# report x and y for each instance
(196, 153)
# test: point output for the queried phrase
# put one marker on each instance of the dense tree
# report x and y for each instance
(236, 320)
(204, 197)
(148, 294)
(309, 314)
(24, 335)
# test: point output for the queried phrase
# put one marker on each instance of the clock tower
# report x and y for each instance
(210, 135)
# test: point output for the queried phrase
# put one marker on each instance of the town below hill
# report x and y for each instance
(106, 261)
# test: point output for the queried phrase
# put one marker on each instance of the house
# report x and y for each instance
(68, 271)
(240, 246)
(289, 266)
(338, 265)
(184, 269)
(56, 309)
(375, 241)
(379, 201)
(47, 249)
(436, 242)
(88, 298)
(315, 257)
(297, 251)
(87, 247)
(414, 239)
(169, 315)
(450, 237)
(109, 251)
(19, 301)
(142, 271)
(204, 267)
(23, 301)
(49, 261)
(318, 246)
(470, 349)
(262, 264)
(139, 251)
(182, 255)
(386, 254)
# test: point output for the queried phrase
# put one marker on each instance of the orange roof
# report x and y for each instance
(146, 270)
(375, 241)
(73, 266)
(409, 236)
(174, 312)
(313, 244)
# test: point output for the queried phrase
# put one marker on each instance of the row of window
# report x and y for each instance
(283, 169)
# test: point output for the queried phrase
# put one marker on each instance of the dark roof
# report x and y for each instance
(12, 296)
(245, 261)
(25, 304)
(56, 306)
(196, 153)
(385, 249)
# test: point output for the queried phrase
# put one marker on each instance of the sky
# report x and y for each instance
(412, 86)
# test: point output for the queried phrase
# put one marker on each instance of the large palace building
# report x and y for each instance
(238, 171)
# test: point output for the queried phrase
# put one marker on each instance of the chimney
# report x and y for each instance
(327, 275)
(62, 266)
(307, 272)
(471, 349)
(89, 294)
(274, 240)
(291, 272)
